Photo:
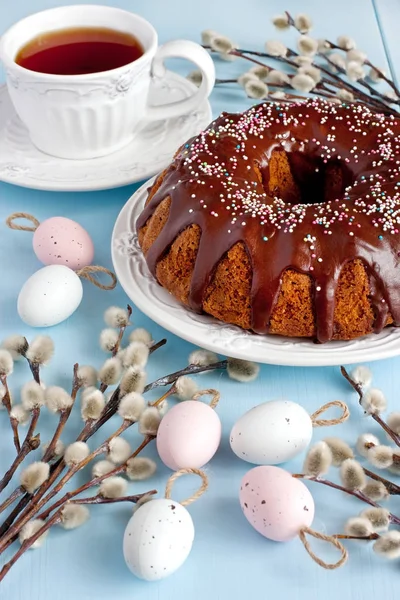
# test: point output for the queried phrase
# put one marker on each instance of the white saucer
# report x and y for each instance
(150, 152)
(228, 340)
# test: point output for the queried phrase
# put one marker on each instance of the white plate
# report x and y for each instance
(228, 340)
(21, 163)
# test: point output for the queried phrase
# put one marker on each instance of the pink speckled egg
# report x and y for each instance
(276, 504)
(189, 435)
(60, 241)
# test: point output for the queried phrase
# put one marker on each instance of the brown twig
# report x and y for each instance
(101, 500)
(7, 404)
(64, 416)
(392, 488)
(376, 417)
(332, 45)
(94, 481)
(356, 494)
(72, 470)
(375, 102)
(332, 79)
(190, 370)
(343, 536)
(369, 64)
(28, 446)
(57, 518)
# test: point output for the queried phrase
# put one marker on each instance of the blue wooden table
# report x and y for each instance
(229, 560)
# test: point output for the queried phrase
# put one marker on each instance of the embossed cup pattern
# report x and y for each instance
(85, 120)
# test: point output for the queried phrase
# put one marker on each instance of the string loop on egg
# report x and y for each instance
(203, 488)
(85, 273)
(326, 422)
(22, 215)
(326, 538)
(214, 393)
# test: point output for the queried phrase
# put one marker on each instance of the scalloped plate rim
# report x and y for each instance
(273, 350)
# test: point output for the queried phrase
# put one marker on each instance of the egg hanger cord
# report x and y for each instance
(326, 538)
(214, 393)
(85, 273)
(22, 215)
(326, 422)
(203, 488)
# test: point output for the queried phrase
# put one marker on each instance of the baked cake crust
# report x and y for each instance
(283, 220)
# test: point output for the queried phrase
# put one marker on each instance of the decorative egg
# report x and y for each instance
(49, 296)
(158, 539)
(189, 435)
(60, 241)
(271, 433)
(276, 504)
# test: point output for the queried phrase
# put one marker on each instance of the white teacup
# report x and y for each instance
(85, 116)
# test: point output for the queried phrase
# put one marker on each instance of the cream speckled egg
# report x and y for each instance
(158, 539)
(276, 504)
(188, 435)
(49, 296)
(61, 241)
(271, 433)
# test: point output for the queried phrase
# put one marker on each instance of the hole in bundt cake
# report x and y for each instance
(299, 178)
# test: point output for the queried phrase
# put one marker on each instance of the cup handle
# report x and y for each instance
(201, 58)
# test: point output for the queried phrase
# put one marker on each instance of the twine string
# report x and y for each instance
(22, 215)
(214, 393)
(326, 538)
(326, 422)
(86, 273)
(196, 495)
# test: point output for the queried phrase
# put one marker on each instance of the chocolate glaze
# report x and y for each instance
(212, 182)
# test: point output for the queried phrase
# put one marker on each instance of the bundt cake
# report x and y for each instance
(283, 220)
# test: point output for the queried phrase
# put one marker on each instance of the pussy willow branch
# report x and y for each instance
(376, 417)
(332, 79)
(115, 350)
(378, 102)
(190, 370)
(94, 481)
(27, 445)
(376, 94)
(88, 430)
(334, 46)
(72, 470)
(392, 488)
(64, 416)
(100, 500)
(370, 64)
(7, 404)
(110, 409)
(57, 518)
(357, 494)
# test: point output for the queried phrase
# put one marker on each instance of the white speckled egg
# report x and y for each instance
(60, 241)
(158, 539)
(276, 504)
(50, 296)
(271, 433)
(189, 435)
